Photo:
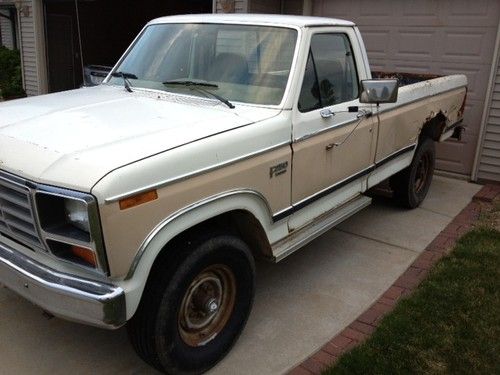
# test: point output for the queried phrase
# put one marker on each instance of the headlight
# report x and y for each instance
(77, 214)
(70, 226)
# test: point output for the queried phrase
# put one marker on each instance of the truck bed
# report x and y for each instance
(405, 78)
(438, 95)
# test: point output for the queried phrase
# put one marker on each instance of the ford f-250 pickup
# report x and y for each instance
(216, 139)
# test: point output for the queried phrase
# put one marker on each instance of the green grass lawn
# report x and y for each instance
(450, 325)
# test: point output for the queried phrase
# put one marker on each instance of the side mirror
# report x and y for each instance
(379, 91)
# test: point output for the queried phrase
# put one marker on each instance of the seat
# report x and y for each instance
(331, 81)
(229, 67)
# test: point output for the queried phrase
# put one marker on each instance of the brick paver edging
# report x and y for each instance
(368, 321)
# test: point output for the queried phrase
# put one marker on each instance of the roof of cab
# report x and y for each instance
(261, 19)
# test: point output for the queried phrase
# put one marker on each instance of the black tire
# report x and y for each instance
(179, 297)
(410, 186)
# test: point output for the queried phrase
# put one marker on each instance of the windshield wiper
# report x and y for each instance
(186, 82)
(198, 85)
(125, 76)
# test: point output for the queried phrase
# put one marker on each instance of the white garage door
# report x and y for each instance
(430, 36)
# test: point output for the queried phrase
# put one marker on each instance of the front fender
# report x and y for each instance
(184, 219)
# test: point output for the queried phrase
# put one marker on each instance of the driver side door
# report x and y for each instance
(333, 148)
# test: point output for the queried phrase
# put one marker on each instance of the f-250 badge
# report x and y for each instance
(278, 169)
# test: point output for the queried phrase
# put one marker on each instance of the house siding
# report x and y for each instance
(293, 7)
(240, 6)
(27, 47)
(6, 35)
(489, 161)
(29, 52)
(265, 6)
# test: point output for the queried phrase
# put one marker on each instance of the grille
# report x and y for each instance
(16, 215)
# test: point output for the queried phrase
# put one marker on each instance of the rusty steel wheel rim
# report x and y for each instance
(207, 305)
(422, 174)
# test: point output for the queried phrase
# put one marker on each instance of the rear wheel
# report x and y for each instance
(411, 185)
(193, 310)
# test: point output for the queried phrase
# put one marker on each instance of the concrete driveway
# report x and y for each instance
(300, 303)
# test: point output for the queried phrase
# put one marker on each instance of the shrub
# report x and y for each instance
(10, 73)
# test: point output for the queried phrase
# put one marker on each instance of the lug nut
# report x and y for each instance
(212, 305)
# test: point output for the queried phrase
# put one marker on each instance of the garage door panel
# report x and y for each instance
(421, 12)
(449, 154)
(473, 13)
(440, 13)
(477, 78)
(473, 111)
(467, 46)
(379, 41)
(415, 44)
(450, 45)
(383, 10)
(342, 9)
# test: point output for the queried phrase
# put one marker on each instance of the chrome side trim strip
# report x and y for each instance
(280, 215)
(72, 298)
(195, 173)
(323, 193)
(395, 155)
(324, 130)
(315, 229)
(183, 211)
(333, 187)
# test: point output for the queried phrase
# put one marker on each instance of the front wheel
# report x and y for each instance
(411, 185)
(192, 313)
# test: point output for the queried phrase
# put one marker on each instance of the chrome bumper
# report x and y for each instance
(72, 298)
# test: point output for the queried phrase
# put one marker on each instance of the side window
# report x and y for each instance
(331, 75)
(309, 95)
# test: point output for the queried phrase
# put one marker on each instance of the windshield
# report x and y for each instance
(249, 64)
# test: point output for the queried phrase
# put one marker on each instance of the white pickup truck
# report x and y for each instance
(216, 139)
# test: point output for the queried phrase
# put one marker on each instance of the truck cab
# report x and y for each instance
(214, 141)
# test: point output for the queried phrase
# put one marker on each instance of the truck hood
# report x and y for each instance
(74, 138)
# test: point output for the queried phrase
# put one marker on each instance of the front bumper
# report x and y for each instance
(66, 296)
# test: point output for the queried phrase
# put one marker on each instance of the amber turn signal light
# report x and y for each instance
(87, 255)
(138, 199)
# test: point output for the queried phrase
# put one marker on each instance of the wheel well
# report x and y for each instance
(244, 225)
(238, 222)
(433, 127)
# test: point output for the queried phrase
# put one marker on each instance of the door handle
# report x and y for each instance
(326, 113)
